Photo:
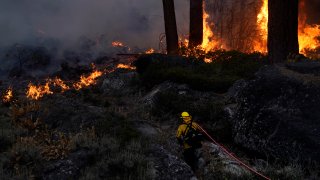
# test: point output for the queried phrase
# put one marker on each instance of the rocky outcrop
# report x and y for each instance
(118, 81)
(278, 114)
(168, 166)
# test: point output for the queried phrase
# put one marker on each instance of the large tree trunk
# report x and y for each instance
(170, 26)
(282, 29)
(196, 23)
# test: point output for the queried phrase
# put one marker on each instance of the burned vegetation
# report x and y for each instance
(248, 72)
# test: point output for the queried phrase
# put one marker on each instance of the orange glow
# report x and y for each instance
(150, 51)
(86, 81)
(260, 44)
(117, 44)
(308, 37)
(36, 92)
(8, 95)
(308, 34)
(124, 66)
(207, 60)
(60, 83)
(207, 43)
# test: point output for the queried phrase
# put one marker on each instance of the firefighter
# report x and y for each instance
(189, 137)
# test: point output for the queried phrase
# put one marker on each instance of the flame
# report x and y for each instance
(308, 38)
(308, 34)
(124, 66)
(36, 92)
(207, 43)
(260, 44)
(150, 51)
(86, 81)
(117, 44)
(8, 95)
(60, 83)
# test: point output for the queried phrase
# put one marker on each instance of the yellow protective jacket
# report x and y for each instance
(183, 130)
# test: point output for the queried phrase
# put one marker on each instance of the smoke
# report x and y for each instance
(136, 22)
(78, 30)
(313, 11)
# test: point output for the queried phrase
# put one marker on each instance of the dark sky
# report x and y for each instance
(136, 22)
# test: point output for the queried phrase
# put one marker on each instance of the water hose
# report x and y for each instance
(233, 156)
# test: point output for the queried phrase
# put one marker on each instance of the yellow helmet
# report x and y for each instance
(185, 114)
(186, 117)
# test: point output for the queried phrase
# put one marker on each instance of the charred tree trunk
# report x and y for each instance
(196, 23)
(282, 29)
(170, 26)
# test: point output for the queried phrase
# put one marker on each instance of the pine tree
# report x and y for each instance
(282, 29)
(196, 23)
(170, 27)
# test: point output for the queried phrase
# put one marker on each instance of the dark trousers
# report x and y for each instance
(191, 158)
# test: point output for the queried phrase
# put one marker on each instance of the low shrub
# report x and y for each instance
(226, 68)
(117, 126)
(119, 151)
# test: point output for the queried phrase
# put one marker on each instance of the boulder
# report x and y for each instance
(165, 165)
(305, 67)
(277, 113)
(117, 81)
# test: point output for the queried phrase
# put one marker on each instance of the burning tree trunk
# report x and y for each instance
(170, 26)
(196, 23)
(282, 29)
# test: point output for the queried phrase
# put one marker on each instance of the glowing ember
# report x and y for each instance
(7, 96)
(207, 60)
(150, 51)
(185, 42)
(60, 83)
(36, 92)
(260, 44)
(86, 81)
(124, 66)
(117, 44)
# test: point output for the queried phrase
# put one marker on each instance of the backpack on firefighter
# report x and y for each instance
(193, 137)
(189, 133)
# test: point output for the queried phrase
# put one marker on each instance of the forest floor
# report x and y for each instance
(120, 128)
